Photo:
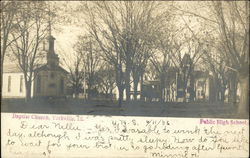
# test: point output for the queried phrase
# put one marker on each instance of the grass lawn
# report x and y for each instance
(133, 108)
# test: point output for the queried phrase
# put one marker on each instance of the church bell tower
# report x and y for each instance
(52, 57)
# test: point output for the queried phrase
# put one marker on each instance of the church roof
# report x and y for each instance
(14, 68)
(47, 68)
(11, 68)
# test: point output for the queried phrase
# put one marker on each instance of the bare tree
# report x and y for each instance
(32, 30)
(125, 28)
(233, 28)
(83, 64)
(216, 65)
(187, 63)
(74, 63)
(141, 24)
(90, 51)
(161, 67)
(106, 80)
(140, 62)
(151, 25)
(181, 49)
(107, 38)
(9, 10)
(230, 24)
(165, 47)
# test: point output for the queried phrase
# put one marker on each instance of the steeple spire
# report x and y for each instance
(50, 37)
(52, 57)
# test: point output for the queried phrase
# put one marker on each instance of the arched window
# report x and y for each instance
(52, 75)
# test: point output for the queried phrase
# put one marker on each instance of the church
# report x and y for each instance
(49, 82)
(50, 78)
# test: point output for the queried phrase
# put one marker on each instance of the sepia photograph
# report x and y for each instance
(124, 79)
(187, 59)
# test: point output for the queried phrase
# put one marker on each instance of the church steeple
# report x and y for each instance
(51, 39)
(52, 57)
(51, 42)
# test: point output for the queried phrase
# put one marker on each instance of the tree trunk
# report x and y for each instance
(223, 89)
(76, 93)
(233, 88)
(28, 91)
(110, 94)
(141, 97)
(1, 69)
(76, 89)
(111, 91)
(217, 90)
(243, 107)
(185, 80)
(191, 90)
(135, 89)
(222, 99)
(2, 59)
(120, 98)
(127, 82)
(184, 90)
(162, 87)
(119, 83)
(89, 96)
(184, 96)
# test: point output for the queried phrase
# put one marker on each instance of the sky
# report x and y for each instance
(66, 33)
(67, 36)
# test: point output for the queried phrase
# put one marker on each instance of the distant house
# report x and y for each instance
(151, 90)
(203, 86)
(50, 79)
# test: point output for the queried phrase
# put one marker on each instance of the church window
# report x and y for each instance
(52, 85)
(52, 75)
(9, 83)
(62, 85)
(21, 84)
(38, 83)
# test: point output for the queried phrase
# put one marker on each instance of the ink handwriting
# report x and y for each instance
(160, 138)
